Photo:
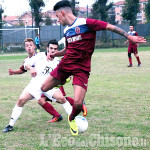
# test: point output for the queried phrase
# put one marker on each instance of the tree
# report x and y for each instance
(36, 11)
(100, 9)
(48, 21)
(130, 11)
(147, 11)
(73, 5)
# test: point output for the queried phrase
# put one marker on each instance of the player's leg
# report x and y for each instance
(137, 56)
(71, 101)
(61, 99)
(129, 56)
(84, 108)
(50, 109)
(17, 110)
(80, 83)
(50, 83)
(56, 95)
(79, 95)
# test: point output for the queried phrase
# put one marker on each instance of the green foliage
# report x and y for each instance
(147, 11)
(100, 10)
(74, 8)
(130, 11)
(36, 10)
(48, 21)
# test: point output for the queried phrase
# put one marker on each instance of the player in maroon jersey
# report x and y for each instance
(132, 48)
(80, 37)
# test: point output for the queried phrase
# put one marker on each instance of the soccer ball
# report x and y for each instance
(82, 123)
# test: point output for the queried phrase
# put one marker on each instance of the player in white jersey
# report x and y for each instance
(39, 67)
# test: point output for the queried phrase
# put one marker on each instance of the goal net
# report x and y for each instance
(12, 39)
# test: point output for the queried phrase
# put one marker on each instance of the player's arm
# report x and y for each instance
(32, 70)
(21, 70)
(134, 39)
(126, 41)
(56, 54)
(14, 72)
(28, 65)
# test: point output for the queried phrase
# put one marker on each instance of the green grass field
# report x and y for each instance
(118, 102)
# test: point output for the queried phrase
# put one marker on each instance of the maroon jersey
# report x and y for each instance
(80, 42)
(133, 33)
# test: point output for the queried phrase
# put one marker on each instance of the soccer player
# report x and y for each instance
(47, 106)
(39, 67)
(132, 48)
(80, 34)
(37, 42)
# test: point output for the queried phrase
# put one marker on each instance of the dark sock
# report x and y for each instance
(75, 112)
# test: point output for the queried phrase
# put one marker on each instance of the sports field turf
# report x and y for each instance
(118, 102)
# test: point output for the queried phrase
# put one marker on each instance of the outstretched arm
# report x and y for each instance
(134, 39)
(13, 72)
(50, 56)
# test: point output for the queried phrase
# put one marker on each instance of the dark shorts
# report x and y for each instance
(38, 46)
(80, 77)
(132, 49)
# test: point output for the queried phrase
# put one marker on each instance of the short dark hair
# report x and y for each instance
(62, 4)
(53, 41)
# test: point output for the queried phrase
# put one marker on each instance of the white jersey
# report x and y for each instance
(42, 66)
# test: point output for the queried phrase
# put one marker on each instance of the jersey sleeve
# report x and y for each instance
(30, 61)
(23, 69)
(96, 25)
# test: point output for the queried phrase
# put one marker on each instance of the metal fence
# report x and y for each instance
(17, 36)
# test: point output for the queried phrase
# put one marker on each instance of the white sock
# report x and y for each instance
(67, 107)
(15, 115)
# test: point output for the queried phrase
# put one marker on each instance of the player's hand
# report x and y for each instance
(10, 71)
(136, 39)
(125, 42)
(137, 45)
(33, 72)
(49, 57)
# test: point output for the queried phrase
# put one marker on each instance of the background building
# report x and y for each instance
(119, 6)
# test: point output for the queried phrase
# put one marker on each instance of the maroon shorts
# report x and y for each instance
(80, 77)
(132, 49)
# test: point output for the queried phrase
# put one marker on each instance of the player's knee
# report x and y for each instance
(61, 99)
(43, 88)
(42, 101)
(21, 102)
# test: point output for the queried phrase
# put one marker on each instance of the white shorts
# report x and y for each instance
(35, 90)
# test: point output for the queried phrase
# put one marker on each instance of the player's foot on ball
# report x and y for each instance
(130, 65)
(139, 65)
(73, 127)
(84, 109)
(56, 119)
(8, 128)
